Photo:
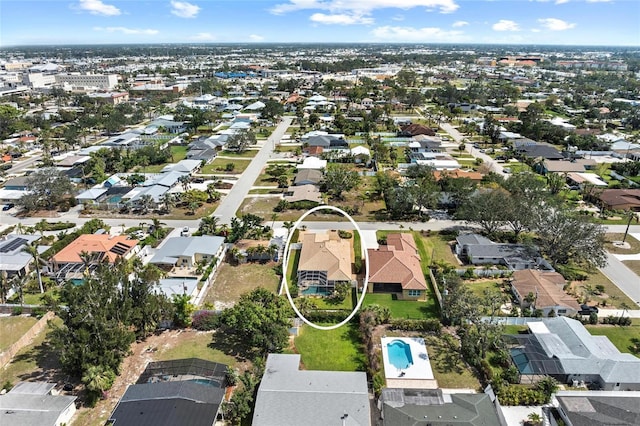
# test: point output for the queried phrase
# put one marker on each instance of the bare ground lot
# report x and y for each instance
(232, 281)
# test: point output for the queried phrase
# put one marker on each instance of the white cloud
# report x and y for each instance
(340, 19)
(553, 24)
(363, 7)
(203, 37)
(410, 34)
(96, 7)
(506, 25)
(256, 37)
(125, 30)
(562, 1)
(183, 9)
(458, 24)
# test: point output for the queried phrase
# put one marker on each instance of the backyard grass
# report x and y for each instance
(266, 180)
(621, 337)
(178, 152)
(332, 350)
(610, 238)
(411, 309)
(219, 166)
(232, 281)
(266, 191)
(292, 267)
(33, 362)
(437, 245)
(479, 287)
(196, 345)
(323, 303)
(612, 296)
(12, 328)
(449, 369)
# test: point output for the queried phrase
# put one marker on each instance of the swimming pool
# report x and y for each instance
(400, 354)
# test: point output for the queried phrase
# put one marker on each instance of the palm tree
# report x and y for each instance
(209, 225)
(146, 203)
(4, 286)
(212, 193)
(18, 282)
(97, 378)
(288, 225)
(156, 226)
(168, 201)
(534, 419)
(32, 250)
(274, 216)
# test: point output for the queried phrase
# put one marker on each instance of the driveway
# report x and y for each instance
(231, 203)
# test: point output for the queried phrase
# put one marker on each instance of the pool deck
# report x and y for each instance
(419, 375)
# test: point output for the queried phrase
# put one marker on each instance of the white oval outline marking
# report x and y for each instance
(285, 265)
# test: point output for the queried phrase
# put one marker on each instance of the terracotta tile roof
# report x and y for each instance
(547, 285)
(397, 262)
(95, 243)
(615, 198)
(326, 252)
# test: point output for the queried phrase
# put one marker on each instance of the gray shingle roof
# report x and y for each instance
(188, 246)
(289, 396)
(600, 408)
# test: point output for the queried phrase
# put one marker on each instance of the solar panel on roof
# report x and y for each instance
(119, 249)
(12, 245)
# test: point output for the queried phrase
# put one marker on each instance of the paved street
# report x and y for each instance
(623, 277)
(232, 201)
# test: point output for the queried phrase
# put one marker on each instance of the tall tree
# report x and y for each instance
(32, 250)
(339, 179)
(47, 188)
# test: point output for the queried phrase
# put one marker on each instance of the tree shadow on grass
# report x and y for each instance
(448, 359)
(230, 344)
(48, 367)
(353, 336)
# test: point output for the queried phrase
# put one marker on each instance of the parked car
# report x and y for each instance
(198, 180)
(8, 207)
(587, 310)
(184, 232)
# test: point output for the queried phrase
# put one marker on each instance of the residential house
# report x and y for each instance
(308, 177)
(588, 408)
(479, 250)
(567, 166)
(169, 124)
(181, 255)
(435, 407)
(186, 392)
(618, 199)
(202, 150)
(313, 151)
(312, 163)
(325, 260)
(423, 143)
(536, 150)
(327, 142)
(36, 404)
(13, 260)
(564, 349)
(395, 268)
(437, 160)
(68, 262)
(415, 129)
(306, 192)
(584, 180)
(361, 154)
(288, 396)
(20, 183)
(547, 288)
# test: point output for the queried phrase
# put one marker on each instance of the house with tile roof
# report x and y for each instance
(548, 290)
(289, 396)
(564, 349)
(325, 260)
(395, 268)
(618, 199)
(100, 247)
(307, 192)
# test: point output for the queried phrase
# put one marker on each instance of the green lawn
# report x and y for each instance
(610, 238)
(197, 345)
(12, 328)
(332, 350)
(634, 265)
(621, 337)
(613, 296)
(34, 362)
(178, 152)
(412, 309)
(478, 288)
(324, 303)
(219, 166)
(250, 153)
(449, 369)
(292, 267)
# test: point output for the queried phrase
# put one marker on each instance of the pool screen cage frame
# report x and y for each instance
(214, 372)
(536, 359)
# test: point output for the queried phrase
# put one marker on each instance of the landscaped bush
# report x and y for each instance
(519, 395)
(205, 320)
(17, 310)
(344, 234)
(328, 316)
(429, 325)
(611, 320)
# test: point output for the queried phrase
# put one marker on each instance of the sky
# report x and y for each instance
(547, 22)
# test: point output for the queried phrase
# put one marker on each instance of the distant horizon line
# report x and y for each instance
(318, 43)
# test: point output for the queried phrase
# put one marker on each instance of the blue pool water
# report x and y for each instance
(316, 291)
(399, 354)
(115, 199)
(207, 382)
